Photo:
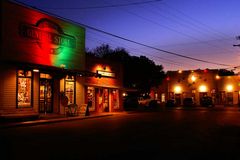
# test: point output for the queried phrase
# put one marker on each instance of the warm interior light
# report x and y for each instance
(124, 94)
(193, 78)
(177, 89)
(202, 88)
(229, 88)
(62, 66)
(35, 70)
(179, 71)
(217, 77)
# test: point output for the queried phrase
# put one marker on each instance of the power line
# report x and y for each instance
(106, 6)
(128, 48)
(163, 60)
(132, 41)
(196, 25)
(171, 29)
(195, 21)
(154, 48)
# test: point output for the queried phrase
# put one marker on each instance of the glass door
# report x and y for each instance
(105, 100)
(102, 97)
(45, 104)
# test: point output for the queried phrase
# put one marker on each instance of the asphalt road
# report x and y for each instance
(174, 134)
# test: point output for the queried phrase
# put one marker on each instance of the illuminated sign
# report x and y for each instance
(34, 37)
(48, 35)
(106, 74)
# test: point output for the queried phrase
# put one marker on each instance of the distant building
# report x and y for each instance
(224, 90)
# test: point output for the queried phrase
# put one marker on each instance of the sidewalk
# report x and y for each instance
(51, 118)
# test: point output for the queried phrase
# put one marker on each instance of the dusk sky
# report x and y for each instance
(200, 29)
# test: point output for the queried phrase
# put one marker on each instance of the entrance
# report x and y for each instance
(178, 99)
(45, 99)
(103, 100)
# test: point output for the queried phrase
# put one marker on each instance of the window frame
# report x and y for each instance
(74, 81)
(24, 76)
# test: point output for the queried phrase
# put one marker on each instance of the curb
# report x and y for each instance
(39, 122)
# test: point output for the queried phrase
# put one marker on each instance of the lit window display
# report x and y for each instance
(202, 88)
(115, 103)
(90, 98)
(177, 89)
(24, 88)
(105, 100)
(70, 89)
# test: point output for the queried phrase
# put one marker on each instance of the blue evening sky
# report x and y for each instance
(201, 29)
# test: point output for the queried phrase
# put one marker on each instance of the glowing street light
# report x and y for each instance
(203, 88)
(180, 71)
(177, 89)
(193, 78)
(229, 88)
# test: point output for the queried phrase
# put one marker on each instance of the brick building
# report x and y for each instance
(224, 90)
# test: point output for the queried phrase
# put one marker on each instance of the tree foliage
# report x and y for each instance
(138, 72)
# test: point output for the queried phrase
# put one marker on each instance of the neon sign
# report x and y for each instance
(48, 35)
(39, 38)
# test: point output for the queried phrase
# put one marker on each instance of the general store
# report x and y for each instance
(43, 60)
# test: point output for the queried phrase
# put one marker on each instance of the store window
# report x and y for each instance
(24, 88)
(163, 97)
(229, 98)
(115, 102)
(70, 89)
(105, 100)
(91, 98)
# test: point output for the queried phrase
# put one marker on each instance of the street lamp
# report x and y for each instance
(229, 88)
(193, 78)
(202, 88)
(217, 77)
(177, 89)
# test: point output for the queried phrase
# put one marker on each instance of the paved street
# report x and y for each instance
(169, 134)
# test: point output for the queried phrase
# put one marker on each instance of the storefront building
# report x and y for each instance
(196, 84)
(42, 58)
(104, 91)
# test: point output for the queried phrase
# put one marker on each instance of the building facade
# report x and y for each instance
(43, 62)
(224, 90)
(104, 92)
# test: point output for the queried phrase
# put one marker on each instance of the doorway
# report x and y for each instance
(103, 99)
(178, 99)
(45, 99)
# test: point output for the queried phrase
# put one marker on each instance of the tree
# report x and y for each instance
(224, 72)
(102, 50)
